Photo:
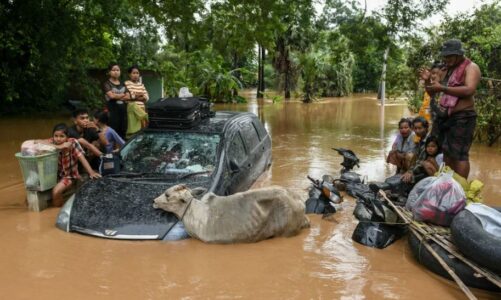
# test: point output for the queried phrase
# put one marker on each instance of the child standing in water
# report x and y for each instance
(70, 153)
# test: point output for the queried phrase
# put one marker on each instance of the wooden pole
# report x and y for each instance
(383, 194)
(442, 242)
(444, 265)
(383, 75)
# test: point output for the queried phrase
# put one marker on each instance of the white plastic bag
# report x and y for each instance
(489, 217)
(32, 180)
(33, 148)
(184, 92)
(440, 201)
(417, 190)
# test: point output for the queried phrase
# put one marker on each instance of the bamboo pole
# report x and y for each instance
(448, 247)
(443, 242)
(383, 194)
(444, 265)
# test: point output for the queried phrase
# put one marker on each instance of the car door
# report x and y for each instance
(256, 154)
(236, 171)
(263, 149)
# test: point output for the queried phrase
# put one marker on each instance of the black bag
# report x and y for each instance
(178, 112)
(109, 164)
(377, 235)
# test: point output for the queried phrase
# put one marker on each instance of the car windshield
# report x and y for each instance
(171, 153)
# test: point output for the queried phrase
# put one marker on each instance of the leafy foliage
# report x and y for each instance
(46, 43)
(48, 47)
(480, 34)
(489, 118)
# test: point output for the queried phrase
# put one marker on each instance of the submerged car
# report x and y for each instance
(225, 154)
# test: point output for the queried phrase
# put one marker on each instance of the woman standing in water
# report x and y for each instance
(116, 95)
(136, 110)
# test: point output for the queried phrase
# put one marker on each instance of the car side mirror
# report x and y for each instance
(234, 168)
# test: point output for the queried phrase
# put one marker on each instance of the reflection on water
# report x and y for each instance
(322, 262)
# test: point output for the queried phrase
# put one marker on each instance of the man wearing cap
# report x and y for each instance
(457, 88)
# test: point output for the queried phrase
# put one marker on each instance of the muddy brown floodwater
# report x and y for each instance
(39, 261)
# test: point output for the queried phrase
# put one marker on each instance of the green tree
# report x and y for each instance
(297, 35)
(480, 34)
(401, 17)
(49, 45)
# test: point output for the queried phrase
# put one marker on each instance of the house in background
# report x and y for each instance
(154, 84)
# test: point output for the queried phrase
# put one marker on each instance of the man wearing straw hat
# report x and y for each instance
(457, 90)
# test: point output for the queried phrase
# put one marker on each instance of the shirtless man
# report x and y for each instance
(458, 88)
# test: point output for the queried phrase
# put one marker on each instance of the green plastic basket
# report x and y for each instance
(39, 172)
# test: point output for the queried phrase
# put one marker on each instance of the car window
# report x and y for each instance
(171, 152)
(260, 129)
(250, 135)
(236, 149)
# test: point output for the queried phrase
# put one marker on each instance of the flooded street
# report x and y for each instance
(42, 262)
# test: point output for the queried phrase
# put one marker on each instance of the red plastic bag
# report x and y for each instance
(440, 201)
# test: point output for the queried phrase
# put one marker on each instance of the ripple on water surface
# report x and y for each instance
(38, 260)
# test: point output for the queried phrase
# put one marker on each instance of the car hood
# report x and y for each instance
(122, 208)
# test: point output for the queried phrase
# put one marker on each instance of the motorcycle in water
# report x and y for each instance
(378, 225)
(395, 188)
(323, 196)
(371, 207)
(350, 160)
(350, 181)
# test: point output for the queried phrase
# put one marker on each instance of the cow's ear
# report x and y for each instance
(198, 192)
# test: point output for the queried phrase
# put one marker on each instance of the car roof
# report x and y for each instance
(215, 124)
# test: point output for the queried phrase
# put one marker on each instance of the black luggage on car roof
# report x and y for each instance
(178, 112)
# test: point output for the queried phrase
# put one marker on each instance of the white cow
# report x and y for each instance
(249, 216)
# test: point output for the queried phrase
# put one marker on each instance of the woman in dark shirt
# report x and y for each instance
(116, 95)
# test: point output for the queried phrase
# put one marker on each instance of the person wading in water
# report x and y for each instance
(457, 102)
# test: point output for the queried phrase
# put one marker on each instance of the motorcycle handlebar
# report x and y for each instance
(316, 182)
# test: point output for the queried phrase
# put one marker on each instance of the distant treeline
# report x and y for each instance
(298, 47)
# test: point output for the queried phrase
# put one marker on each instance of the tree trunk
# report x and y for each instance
(287, 80)
(494, 139)
(282, 65)
(287, 86)
(237, 74)
(260, 76)
(307, 93)
(259, 95)
(263, 59)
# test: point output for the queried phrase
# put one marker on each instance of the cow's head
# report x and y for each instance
(176, 198)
